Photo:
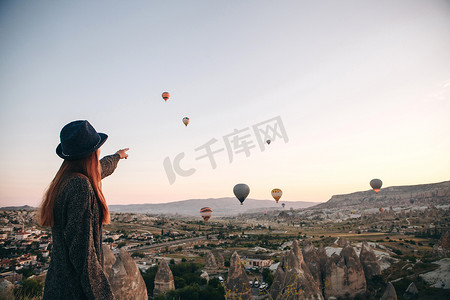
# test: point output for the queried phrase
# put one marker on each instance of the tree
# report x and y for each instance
(137, 254)
(161, 297)
(26, 272)
(29, 288)
(267, 276)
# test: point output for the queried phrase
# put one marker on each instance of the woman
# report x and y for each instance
(75, 207)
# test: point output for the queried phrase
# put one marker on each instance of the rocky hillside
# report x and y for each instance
(422, 194)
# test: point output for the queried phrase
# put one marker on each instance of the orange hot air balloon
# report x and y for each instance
(186, 121)
(166, 96)
(206, 213)
(376, 185)
(276, 194)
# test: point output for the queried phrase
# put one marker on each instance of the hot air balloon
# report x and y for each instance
(276, 194)
(241, 191)
(186, 121)
(381, 209)
(268, 142)
(206, 213)
(283, 204)
(376, 185)
(165, 96)
(265, 212)
(411, 200)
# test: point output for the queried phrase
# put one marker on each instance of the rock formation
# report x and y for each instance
(437, 193)
(205, 276)
(341, 242)
(238, 286)
(311, 257)
(163, 279)
(323, 258)
(411, 292)
(123, 275)
(210, 262)
(389, 293)
(293, 279)
(6, 290)
(344, 275)
(442, 248)
(369, 261)
(219, 259)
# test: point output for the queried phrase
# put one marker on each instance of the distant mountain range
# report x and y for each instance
(220, 206)
(24, 207)
(422, 195)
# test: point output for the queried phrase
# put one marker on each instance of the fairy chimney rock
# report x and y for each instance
(389, 293)
(163, 279)
(442, 248)
(293, 279)
(123, 275)
(344, 274)
(210, 261)
(369, 261)
(219, 259)
(341, 242)
(411, 292)
(238, 286)
(311, 257)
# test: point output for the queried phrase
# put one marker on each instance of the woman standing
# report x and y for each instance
(75, 207)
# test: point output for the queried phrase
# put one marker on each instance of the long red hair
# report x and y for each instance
(89, 167)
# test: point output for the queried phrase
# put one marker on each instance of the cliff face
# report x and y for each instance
(164, 279)
(369, 261)
(238, 286)
(293, 279)
(344, 274)
(423, 194)
(123, 275)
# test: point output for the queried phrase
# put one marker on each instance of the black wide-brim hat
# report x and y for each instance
(78, 140)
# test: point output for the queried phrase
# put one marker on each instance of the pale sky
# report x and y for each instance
(361, 87)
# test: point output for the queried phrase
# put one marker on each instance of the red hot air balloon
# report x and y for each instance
(165, 96)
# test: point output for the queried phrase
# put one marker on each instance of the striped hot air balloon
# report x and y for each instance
(206, 213)
(186, 121)
(276, 194)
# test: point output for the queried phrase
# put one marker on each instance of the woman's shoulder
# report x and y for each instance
(76, 193)
(77, 182)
